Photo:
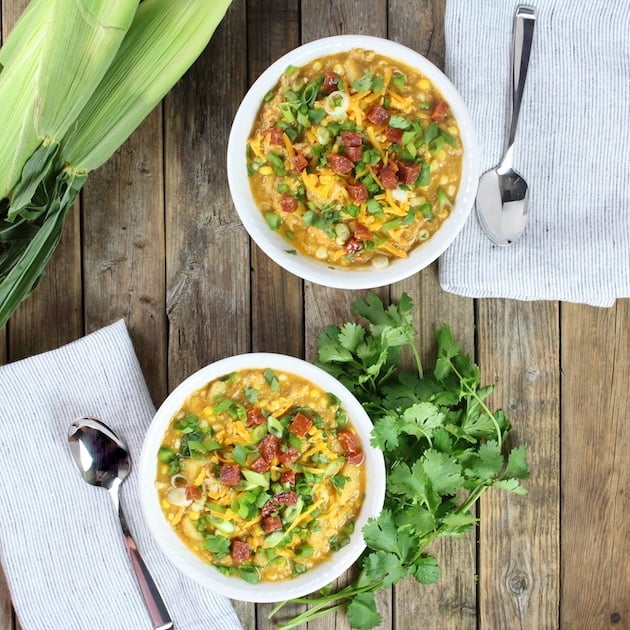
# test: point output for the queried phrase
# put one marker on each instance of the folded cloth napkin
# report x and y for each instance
(60, 541)
(571, 147)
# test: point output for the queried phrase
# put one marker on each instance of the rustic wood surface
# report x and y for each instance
(154, 239)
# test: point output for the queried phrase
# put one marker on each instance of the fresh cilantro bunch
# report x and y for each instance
(443, 448)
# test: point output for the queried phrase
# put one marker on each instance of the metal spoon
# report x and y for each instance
(103, 460)
(502, 196)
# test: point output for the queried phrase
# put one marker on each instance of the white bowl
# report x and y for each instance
(273, 244)
(191, 565)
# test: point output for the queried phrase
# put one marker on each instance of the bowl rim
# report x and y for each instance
(273, 245)
(205, 574)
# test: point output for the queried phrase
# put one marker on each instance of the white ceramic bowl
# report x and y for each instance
(273, 244)
(192, 566)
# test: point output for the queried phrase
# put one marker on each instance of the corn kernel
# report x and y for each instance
(265, 170)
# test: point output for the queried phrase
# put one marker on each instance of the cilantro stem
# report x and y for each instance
(311, 615)
(319, 606)
(472, 392)
(416, 356)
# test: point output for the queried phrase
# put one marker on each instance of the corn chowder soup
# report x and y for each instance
(355, 159)
(261, 474)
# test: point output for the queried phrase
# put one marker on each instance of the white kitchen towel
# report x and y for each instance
(60, 541)
(572, 148)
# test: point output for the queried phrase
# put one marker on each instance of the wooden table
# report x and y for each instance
(155, 240)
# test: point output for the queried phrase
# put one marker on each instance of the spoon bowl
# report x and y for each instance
(502, 196)
(502, 202)
(104, 461)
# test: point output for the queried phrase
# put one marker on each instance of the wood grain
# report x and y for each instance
(207, 251)
(595, 467)
(273, 29)
(519, 546)
(123, 248)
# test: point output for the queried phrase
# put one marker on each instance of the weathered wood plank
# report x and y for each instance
(519, 553)
(273, 29)
(123, 227)
(207, 251)
(595, 466)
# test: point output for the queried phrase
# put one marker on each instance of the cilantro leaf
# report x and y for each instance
(426, 570)
(487, 462)
(380, 565)
(458, 523)
(380, 533)
(351, 335)
(511, 485)
(413, 486)
(362, 612)
(516, 464)
(420, 419)
(385, 433)
(443, 471)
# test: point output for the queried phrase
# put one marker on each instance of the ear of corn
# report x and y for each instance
(163, 41)
(76, 78)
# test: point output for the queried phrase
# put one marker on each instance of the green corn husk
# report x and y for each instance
(81, 39)
(163, 41)
(25, 33)
(60, 141)
(20, 58)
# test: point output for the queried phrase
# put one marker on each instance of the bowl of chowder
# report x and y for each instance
(257, 476)
(352, 162)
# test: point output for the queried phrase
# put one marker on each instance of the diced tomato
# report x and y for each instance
(408, 173)
(240, 551)
(331, 83)
(352, 246)
(300, 162)
(377, 115)
(261, 465)
(230, 474)
(340, 164)
(300, 424)
(271, 524)
(288, 455)
(440, 109)
(269, 447)
(358, 192)
(276, 136)
(351, 139)
(193, 493)
(394, 135)
(362, 232)
(354, 153)
(388, 177)
(255, 416)
(287, 477)
(288, 203)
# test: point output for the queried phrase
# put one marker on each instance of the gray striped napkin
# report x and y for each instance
(60, 544)
(572, 147)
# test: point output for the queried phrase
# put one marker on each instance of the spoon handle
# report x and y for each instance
(524, 21)
(158, 612)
